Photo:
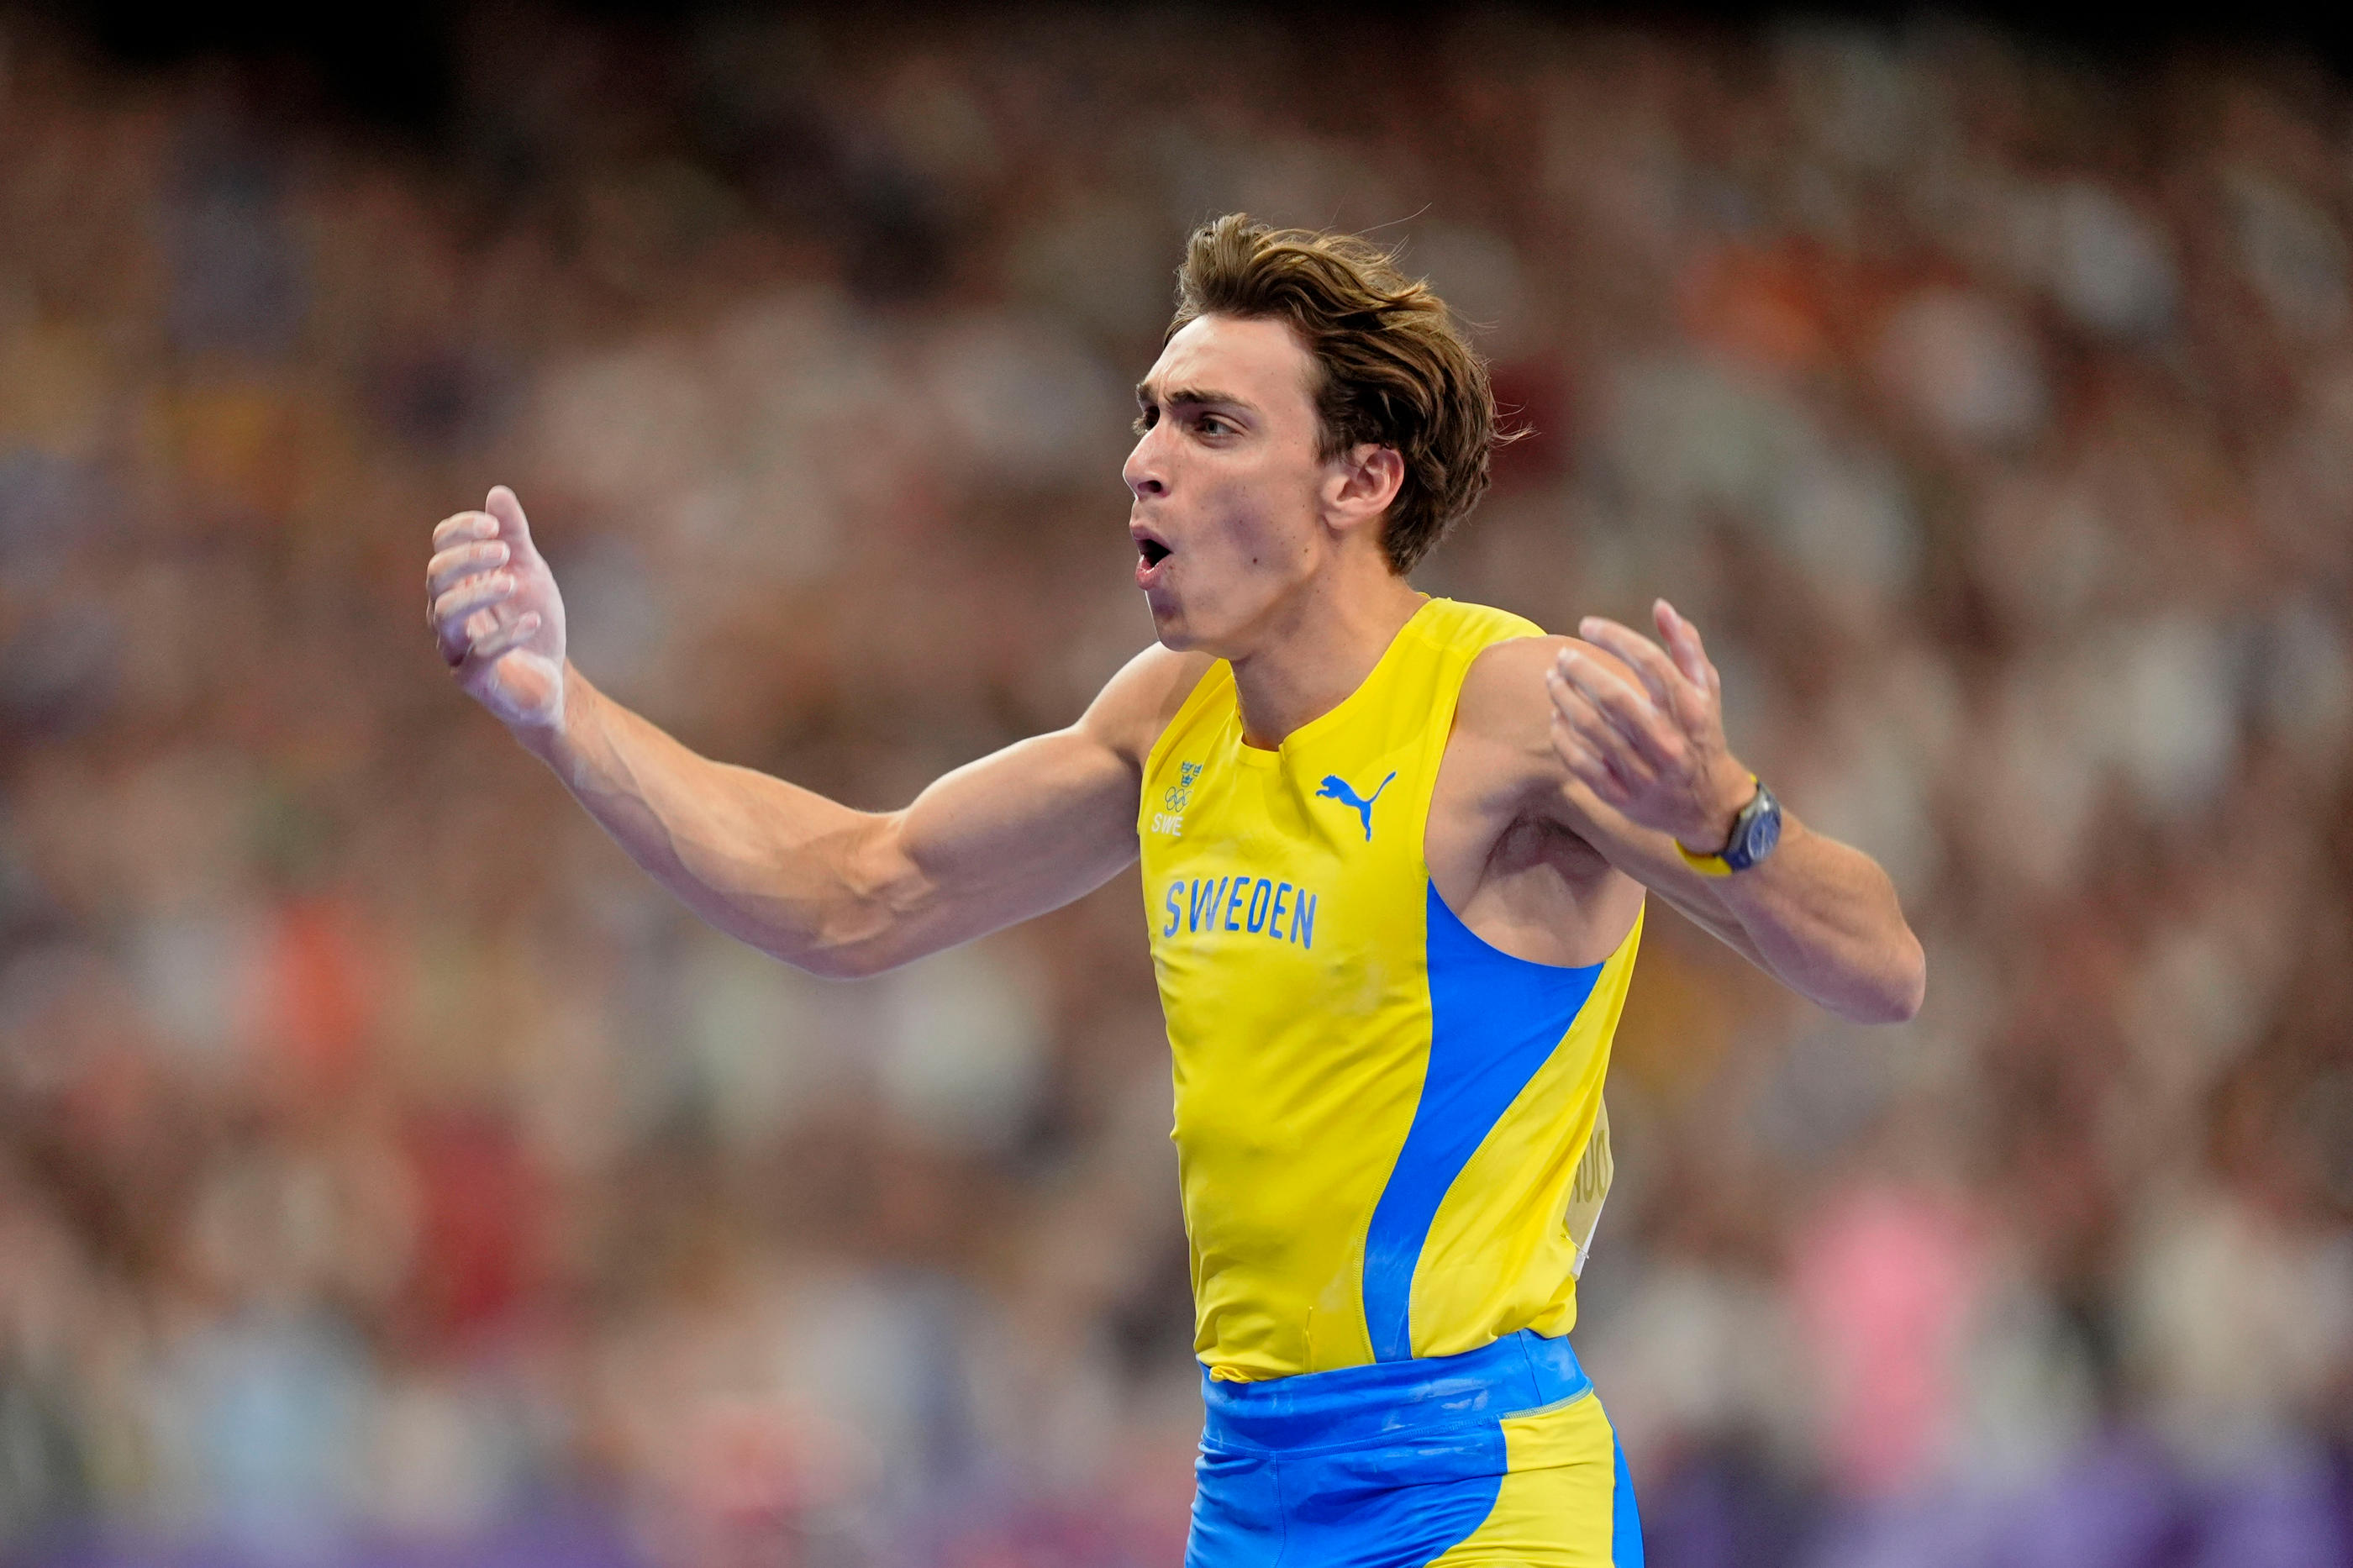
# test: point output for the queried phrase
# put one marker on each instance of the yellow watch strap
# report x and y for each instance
(1706, 864)
(1714, 865)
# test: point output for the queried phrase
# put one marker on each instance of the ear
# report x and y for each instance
(1359, 484)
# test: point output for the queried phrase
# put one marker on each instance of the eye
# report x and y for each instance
(1145, 420)
(1216, 424)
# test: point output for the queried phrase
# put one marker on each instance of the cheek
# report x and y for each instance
(1252, 513)
(1245, 534)
(1268, 522)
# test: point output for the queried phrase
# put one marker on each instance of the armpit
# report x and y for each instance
(1535, 843)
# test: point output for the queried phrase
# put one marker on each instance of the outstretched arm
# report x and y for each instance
(1641, 738)
(832, 890)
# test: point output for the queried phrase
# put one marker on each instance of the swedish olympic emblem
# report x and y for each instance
(1171, 819)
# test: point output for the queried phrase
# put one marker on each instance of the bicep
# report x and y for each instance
(1019, 832)
(1028, 828)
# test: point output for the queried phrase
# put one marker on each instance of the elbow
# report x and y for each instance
(836, 962)
(1915, 979)
(859, 956)
(1900, 990)
(858, 927)
(1895, 1008)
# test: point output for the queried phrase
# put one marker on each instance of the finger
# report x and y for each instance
(1628, 708)
(1574, 713)
(472, 596)
(447, 569)
(1580, 789)
(1641, 655)
(513, 528)
(1695, 696)
(1582, 711)
(453, 637)
(504, 640)
(1589, 767)
(447, 613)
(461, 527)
(1574, 705)
(1682, 640)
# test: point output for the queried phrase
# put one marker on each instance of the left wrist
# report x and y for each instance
(1733, 788)
(1755, 829)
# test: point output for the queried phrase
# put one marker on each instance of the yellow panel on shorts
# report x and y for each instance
(1556, 1506)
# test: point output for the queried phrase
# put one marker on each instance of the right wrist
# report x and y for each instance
(553, 740)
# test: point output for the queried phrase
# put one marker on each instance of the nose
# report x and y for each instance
(1143, 471)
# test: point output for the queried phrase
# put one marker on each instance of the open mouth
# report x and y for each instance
(1154, 552)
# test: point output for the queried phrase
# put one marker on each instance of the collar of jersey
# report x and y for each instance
(1262, 757)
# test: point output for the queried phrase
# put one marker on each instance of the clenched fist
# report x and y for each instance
(492, 604)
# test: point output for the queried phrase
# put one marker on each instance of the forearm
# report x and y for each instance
(1823, 918)
(1642, 736)
(833, 890)
(778, 867)
(1818, 915)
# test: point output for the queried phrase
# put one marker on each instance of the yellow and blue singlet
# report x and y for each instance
(1390, 1142)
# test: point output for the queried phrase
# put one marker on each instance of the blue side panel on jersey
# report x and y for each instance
(1625, 1523)
(1495, 1020)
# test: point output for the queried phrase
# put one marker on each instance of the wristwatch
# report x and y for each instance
(1754, 832)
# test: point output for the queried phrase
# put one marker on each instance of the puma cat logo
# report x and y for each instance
(1334, 788)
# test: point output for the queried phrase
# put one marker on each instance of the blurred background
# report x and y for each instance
(390, 1175)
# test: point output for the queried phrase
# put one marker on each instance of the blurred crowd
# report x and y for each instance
(389, 1174)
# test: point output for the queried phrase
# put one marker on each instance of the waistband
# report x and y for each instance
(1384, 1400)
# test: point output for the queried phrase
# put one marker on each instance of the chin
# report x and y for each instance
(1169, 623)
(1174, 634)
(1179, 630)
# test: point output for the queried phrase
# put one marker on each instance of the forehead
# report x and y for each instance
(1259, 361)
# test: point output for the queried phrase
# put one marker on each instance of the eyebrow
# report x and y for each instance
(1188, 394)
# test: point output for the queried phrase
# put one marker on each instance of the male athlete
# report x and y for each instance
(1395, 855)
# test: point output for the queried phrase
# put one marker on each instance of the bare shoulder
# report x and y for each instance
(1503, 725)
(1503, 847)
(1500, 764)
(1136, 704)
(1503, 702)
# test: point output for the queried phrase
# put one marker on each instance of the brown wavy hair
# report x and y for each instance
(1394, 367)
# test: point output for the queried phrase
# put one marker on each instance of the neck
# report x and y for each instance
(1325, 641)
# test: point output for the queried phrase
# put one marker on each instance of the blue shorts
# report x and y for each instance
(1501, 1455)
